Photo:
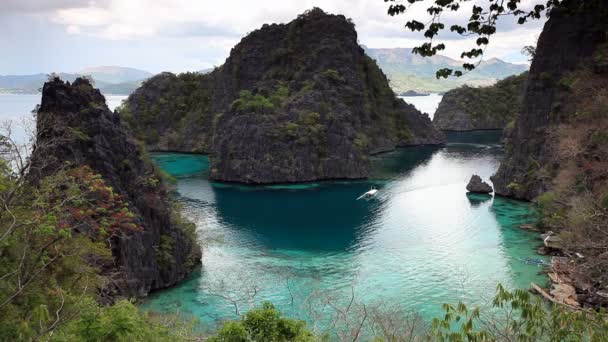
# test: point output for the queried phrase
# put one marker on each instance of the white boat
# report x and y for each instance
(371, 193)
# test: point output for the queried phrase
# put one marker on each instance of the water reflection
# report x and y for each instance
(329, 210)
(485, 137)
(401, 161)
(477, 199)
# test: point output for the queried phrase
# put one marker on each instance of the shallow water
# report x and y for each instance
(422, 242)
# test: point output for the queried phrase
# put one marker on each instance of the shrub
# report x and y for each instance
(568, 81)
(309, 119)
(333, 75)
(600, 57)
(290, 129)
(527, 319)
(124, 322)
(604, 201)
(263, 324)
(307, 86)
(404, 134)
(249, 102)
(163, 252)
(78, 134)
(514, 186)
(361, 141)
(279, 95)
(599, 138)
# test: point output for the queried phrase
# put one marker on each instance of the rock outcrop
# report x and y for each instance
(294, 102)
(75, 127)
(478, 186)
(494, 107)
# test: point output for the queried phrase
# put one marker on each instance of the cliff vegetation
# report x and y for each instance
(494, 107)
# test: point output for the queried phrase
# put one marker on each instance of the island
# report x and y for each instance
(293, 102)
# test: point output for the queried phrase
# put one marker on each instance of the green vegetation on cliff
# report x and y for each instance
(165, 115)
(494, 107)
(575, 201)
(54, 240)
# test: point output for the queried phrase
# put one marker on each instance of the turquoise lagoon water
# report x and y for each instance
(422, 242)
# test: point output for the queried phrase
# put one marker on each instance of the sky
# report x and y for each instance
(187, 35)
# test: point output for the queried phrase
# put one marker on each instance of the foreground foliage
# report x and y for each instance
(520, 317)
(56, 235)
(263, 324)
(517, 316)
(481, 24)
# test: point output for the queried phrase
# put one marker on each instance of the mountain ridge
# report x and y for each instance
(408, 71)
(109, 79)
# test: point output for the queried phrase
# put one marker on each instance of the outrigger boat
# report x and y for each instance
(371, 193)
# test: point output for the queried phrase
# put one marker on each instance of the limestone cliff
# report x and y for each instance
(294, 102)
(571, 40)
(557, 154)
(493, 107)
(75, 127)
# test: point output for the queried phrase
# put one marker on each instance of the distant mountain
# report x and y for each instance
(115, 74)
(408, 71)
(109, 80)
(27, 83)
(124, 88)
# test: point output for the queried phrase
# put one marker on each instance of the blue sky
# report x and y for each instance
(181, 35)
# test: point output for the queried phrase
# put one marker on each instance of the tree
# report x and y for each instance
(481, 24)
(53, 239)
(530, 51)
(264, 324)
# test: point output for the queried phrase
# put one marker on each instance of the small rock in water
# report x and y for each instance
(476, 185)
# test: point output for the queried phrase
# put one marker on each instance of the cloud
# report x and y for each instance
(121, 19)
(202, 32)
(73, 29)
(37, 6)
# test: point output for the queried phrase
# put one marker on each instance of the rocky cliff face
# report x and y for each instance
(294, 102)
(75, 127)
(493, 107)
(557, 154)
(571, 40)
